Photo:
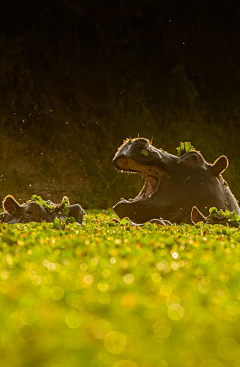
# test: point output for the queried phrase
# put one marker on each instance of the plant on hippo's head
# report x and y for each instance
(43, 203)
(184, 148)
(62, 208)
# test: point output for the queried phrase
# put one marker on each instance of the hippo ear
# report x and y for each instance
(65, 200)
(219, 165)
(11, 205)
(197, 216)
(61, 206)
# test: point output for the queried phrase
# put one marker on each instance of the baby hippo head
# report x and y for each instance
(28, 212)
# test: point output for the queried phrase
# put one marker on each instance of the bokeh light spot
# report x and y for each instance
(156, 277)
(175, 312)
(233, 309)
(115, 342)
(83, 267)
(102, 286)
(172, 300)
(57, 293)
(28, 316)
(104, 298)
(101, 328)
(88, 279)
(128, 278)
(125, 363)
(73, 319)
(175, 255)
(228, 348)
(162, 328)
(166, 290)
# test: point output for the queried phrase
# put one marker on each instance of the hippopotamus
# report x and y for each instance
(173, 184)
(37, 210)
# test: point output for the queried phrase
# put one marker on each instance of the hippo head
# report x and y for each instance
(28, 212)
(173, 184)
(33, 211)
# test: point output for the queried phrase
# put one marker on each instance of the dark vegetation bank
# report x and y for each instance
(77, 77)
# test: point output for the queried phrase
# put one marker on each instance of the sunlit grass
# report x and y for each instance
(117, 296)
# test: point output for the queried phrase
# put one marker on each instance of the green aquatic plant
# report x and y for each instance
(46, 205)
(144, 152)
(63, 207)
(184, 148)
(224, 217)
(130, 295)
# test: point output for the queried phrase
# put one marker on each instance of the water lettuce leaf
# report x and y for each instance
(184, 148)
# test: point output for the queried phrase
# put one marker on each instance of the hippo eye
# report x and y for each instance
(194, 157)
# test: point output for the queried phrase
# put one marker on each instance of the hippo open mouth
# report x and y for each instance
(151, 174)
(173, 184)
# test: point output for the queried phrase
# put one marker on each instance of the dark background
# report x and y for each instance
(78, 77)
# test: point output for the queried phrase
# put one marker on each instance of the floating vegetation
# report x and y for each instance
(104, 294)
(63, 207)
(184, 148)
(144, 152)
(224, 217)
(45, 204)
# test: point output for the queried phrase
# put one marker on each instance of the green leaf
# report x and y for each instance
(124, 222)
(224, 217)
(43, 203)
(184, 148)
(144, 152)
(213, 210)
(63, 207)
(56, 223)
(68, 220)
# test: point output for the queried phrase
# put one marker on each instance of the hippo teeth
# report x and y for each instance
(150, 186)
